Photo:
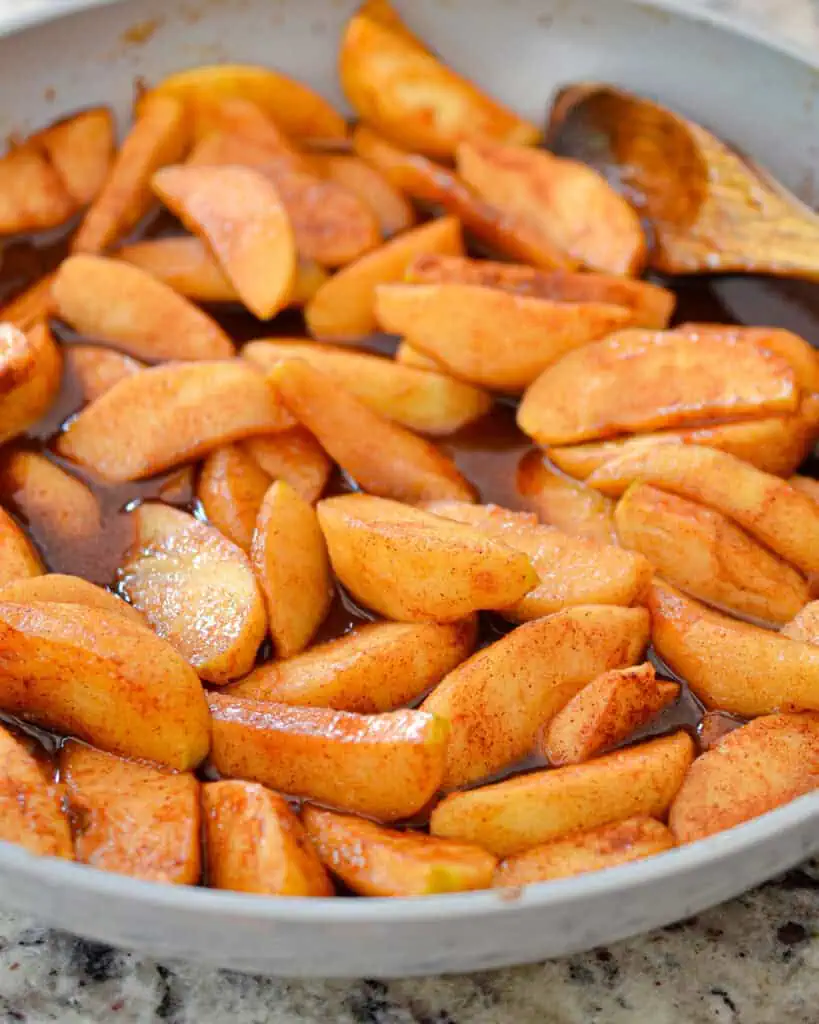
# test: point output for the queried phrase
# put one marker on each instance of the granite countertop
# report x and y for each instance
(752, 961)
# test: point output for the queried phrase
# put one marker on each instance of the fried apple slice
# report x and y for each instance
(563, 503)
(159, 136)
(294, 456)
(30, 375)
(406, 355)
(498, 700)
(31, 306)
(378, 667)
(605, 713)
(18, 559)
(571, 570)
(805, 625)
(256, 843)
(95, 675)
(414, 566)
(376, 861)
(392, 209)
(752, 770)
(651, 306)
(96, 369)
(196, 589)
(171, 414)
(343, 308)
(240, 216)
(81, 150)
(490, 337)
(32, 194)
(569, 202)
(113, 301)
(780, 516)
(54, 586)
(700, 551)
(431, 403)
(132, 818)
(429, 182)
(732, 666)
(289, 557)
(519, 813)
(603, 847)
(235, 115)
(396, 84)
(383, 766)
(231, 487)
(300, 111)
(31, 812)
(401, 465)
(643, 380)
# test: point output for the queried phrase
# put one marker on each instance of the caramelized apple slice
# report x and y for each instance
(81, 149)
(570, 506)
(132, 818)
(523, 812)
(115, 302)
(30, 374)
(730, 665)
(376, 861)
(231, 487)
(413, 566)
(32, 194)
(62, 589)
(18, 559)
(171, 414)
(753, 769)
(159, 136)
(569, 202)
(431, 403)
(94, 674)
(603, 847)
(96, 369)
(498, 700)
(805, 625)
(343, 309)
(605, 713)
(294, 456)
(256, 843)
(390, 206)
(236, 115)
(398, 465)
(197, 591)
(378, 667)
(488, 336)
(703, 553)
(384, 766)
(710, 210)
(406, 355)
(31, 812)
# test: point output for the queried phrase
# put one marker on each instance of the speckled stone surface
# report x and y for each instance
(752, 961)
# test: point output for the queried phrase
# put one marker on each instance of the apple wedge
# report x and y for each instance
(414, 566)
(778, 515)
(650, 305)
(132, 818)
(113, 301)
(231, 488)
(294, 456)
(32, 194)
(31, 811)
(289, 557)
(54, 586)
(376, 861)
(569, 202)
(171, 414)
(239, 116)
(159, 136)
(386, 766)
(378, 667)
(519, 813)
(391, 207)
(646, 380)
(343, 308)
(256, 843)
(431, 403)
(81, 150)
(96, 369)
(196, 589)
(397, 85)
(398, 465)
(605, 713)
(700, 551)
(96, 675)
(752, 770)
(406, 355)
(603, 847)
(563, 503)
(805, 625)
(18, 558)
(30, 306)
(30, 375)
(732, 666)
(498, 700)
(240, 216)
(490, 337)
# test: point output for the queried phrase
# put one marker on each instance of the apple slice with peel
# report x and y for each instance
(294, 456)
(54, 586)
(231, 487)
(391, 207)
(96, 369)
(81, 150)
